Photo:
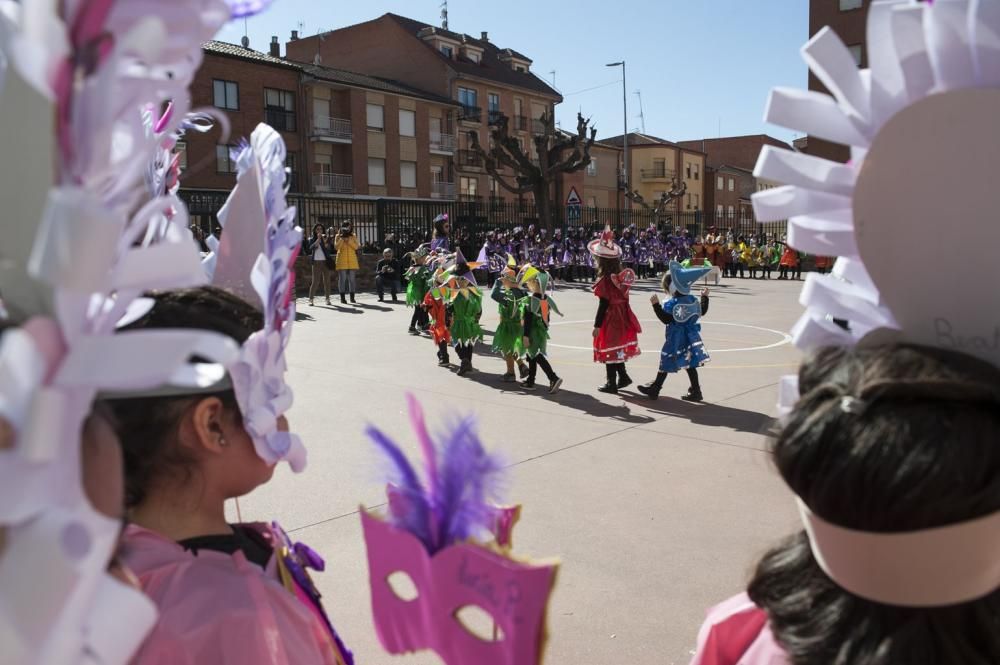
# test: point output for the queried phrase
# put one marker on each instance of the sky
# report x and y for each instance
(704, 67)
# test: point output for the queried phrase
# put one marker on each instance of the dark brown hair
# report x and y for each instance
(920, 453)
(608, 266)
(147, 426)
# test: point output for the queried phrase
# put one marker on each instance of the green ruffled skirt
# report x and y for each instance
(539, 338)
(507, 338)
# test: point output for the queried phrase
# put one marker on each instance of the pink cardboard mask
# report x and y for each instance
(514, 594)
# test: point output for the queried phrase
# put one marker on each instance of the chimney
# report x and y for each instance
(485, 36)
(275, 47)
(295, 35)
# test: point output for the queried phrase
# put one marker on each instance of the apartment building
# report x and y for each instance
(849, 19)
(728, 193)
(599, 184)
(738, 151)
(250, 87)
(655, 163)
(485, 82)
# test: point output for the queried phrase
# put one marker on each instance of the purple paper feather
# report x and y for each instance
(416, 520)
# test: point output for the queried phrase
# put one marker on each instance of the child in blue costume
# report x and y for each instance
(683, 348)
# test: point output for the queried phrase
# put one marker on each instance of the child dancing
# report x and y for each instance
(683, 348)
(535, 313)
(616, 328)
(418, 283)
(507, 340)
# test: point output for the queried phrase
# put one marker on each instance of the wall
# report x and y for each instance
(739, 151)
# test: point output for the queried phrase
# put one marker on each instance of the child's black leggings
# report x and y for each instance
(540, 361)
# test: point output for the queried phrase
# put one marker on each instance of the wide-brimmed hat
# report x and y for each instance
(681, 278)
(604, 246)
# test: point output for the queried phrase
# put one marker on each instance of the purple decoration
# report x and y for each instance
(245, 8)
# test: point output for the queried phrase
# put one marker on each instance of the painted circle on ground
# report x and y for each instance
(785, 337)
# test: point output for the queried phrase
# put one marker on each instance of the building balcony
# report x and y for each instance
(468, 159)
(443, 190)
(280, 119)
(443, 143)
(494, 117)
(333, 183)
(470, 113)
(334, 130)
(521, 123)
(537, 126)
(654, 174)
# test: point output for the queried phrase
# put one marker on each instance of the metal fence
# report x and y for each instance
(411, 220)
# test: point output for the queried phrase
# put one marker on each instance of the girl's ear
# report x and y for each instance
(206, 422)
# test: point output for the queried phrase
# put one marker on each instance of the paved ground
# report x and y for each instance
(657, 510)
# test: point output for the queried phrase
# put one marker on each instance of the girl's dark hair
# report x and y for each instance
(921, 453)
(148, 425)
(608, 266)
(665, 282)
(317, 227)
(439, 231)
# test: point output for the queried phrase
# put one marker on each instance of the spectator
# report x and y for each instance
(318, 247)
(387, 272)
(442, 228)
(392, 243)
(347, 247)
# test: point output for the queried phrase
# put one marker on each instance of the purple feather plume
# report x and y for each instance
(416, 517)
(463, 479)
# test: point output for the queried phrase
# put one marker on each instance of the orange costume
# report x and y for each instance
(434, 303)
(789, 257)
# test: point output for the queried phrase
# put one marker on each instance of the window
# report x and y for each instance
(324, 164)
(376, 171)
(408, 174)
(720, 183)
(182, 155)
(468, 97)
(659, 168)
(376, 118)
(291, 163)
(732, 184)
(855, 50)
(687, 198)
(437, 174)
(226, 94)
(592, 167)
(687, 171)
(279, 109)
(494, 188)
(469, 187)
(848, 5)
(696, 200)
(732, 212)
(494, 101)
(474, 57)
(718, 210)
(224, 162)
(697, 171)
(447, 51)
(407, 123)
(519, 68)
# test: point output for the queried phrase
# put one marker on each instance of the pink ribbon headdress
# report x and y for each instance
(88, 239)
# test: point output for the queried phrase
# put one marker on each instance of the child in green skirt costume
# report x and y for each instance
(466, 310)
(507, 340)
(418, 283)
(535, 308)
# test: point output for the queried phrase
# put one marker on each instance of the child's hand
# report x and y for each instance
(653, 299)
(596, 332)
(704, 292)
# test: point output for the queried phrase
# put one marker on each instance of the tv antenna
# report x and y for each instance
(444, 14)
(642, 116)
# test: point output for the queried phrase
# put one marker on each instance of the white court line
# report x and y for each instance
(785, 337)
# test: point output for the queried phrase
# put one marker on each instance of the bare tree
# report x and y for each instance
(558, 152)
(677, 190)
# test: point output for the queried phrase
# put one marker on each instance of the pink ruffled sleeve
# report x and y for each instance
(736, 633)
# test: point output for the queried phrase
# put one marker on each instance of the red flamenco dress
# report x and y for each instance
(618, 337)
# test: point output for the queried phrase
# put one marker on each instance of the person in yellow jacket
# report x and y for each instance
(346, 244)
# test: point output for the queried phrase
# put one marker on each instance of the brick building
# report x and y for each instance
(485, 81)
(727, 193)
(654, 163)
(250, 88)
(738, 151)
(598, 185)
(848, 18)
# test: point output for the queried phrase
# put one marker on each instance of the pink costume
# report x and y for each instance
(736, 633)
(221, 609)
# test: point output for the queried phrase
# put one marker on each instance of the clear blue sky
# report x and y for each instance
(697, 62)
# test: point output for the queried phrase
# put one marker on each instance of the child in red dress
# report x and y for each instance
(616, 328)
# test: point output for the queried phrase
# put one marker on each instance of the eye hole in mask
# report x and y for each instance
(479, 623)
(402, 586)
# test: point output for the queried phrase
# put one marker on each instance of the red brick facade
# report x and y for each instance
(738, 151)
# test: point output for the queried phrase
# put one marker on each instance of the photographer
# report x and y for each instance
(347, 245)
(318, 247)
(387, 272)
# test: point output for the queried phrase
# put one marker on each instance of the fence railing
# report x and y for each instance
(411, 220)
(470, 113)
(656, 174)
(494, 116)
(443, 190)
(521, 123)
(334, 128)
(469, 158)
(334, 183)
(280, 119)
(442, 142)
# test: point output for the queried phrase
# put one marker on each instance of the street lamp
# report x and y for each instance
(625, 124)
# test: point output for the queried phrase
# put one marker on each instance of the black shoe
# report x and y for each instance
(522, 371)
(343, 299)
(624, 382)
(692, 396)
(353, 301)
(413, 331)
(395, 299)
(444, 361)
(528, 384)
(380, 299)
(555, 385)
(508, 378)
(609, 388)
(650, 390)
(464, 368)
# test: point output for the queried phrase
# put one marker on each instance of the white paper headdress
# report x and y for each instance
(922, 126)
(77, 252)
(255, 260)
